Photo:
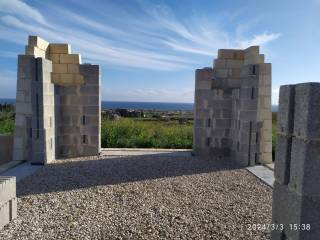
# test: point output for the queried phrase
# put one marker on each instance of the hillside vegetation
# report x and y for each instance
(142, 133)
(137, 133)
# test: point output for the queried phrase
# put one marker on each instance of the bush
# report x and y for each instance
(6, 126)
(132, 133)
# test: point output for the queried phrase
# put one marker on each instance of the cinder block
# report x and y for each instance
(60, 48)
(265, 68)
(35, 51)
(232, 83)
(248, 115)
(291, 208)
(89, 90)
(73, 68)
(70, 58)
(283, 159)
(285, 211)
(286, 110)
(253, 50)
(38, 42)
(91, 110)
(59, 68)
(54, 57)
(248, 104)
(7, 188)
(305, 166)
(230, 54)
(306, 113)
(67, 79)
(233, 63)
(220, 63)
(221, 73)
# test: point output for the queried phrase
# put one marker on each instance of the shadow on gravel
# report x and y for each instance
(116, 170)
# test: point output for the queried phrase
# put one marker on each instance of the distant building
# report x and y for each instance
(58, 104)
(233, 107)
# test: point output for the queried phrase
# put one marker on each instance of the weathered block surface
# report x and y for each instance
(296, 196)
(8, 200)
(58, 104)
(234, 97)
(6, 147)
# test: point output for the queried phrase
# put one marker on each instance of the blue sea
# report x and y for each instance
(134, 105)
(140, 105)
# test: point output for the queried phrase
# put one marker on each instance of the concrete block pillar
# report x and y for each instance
(296, 196)
(42, 130)
(22, 141)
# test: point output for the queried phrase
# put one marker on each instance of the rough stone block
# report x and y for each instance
(73, 68)
(306, 113)
(290, 208)
(6, 149)
(38, 42)
(265, 69)
(35, 51)
(59, 68)
(70, 58)
(283, 159)
(248, 115)
(7, 188)
(232, 63)
(230, 54)
(305, 165)
(55, 57)
(221, 73)
(59, 48)
(67, 79)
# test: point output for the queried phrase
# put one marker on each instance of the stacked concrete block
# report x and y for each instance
(65, 65)
(8, 200)
(296, 196)
(42, 122)
(36, 47)
(58, 104)
(6, 148)
(24, 113)
(234, 97)
(79, 109)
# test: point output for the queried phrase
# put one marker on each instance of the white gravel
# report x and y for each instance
(140, 197)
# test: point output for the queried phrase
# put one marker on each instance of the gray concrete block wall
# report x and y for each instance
(42, 149)
(26, 72)
(78, 108)
(58, 104)
(296, 196)
(235, 94)
(6, 148)
(8, 200)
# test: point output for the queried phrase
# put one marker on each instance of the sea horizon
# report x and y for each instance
(136, 105)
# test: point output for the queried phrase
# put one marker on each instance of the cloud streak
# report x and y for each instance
(21, 9)
(162, 43)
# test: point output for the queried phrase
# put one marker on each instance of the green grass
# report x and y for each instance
(6, 126)
(134, 133)
(137, 133)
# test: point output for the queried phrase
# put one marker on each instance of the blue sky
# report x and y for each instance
(149, 50)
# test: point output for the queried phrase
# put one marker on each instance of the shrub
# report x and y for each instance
(134, 133)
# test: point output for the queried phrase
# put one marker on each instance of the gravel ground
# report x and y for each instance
(140, 197)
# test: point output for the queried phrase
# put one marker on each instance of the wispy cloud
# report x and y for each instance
(19, 8)
(153, 39)
(260, 39)
(162, 95)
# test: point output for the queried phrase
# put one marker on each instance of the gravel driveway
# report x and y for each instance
(140, 197)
